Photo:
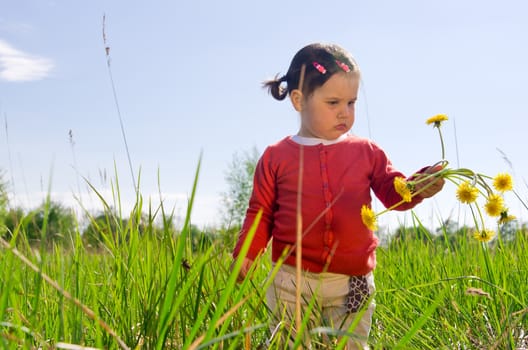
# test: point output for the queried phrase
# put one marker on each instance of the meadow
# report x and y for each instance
(148, 286)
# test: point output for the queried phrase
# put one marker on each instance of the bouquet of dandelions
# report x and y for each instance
(470, 185)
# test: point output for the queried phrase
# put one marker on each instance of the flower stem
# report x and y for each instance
(441, 142)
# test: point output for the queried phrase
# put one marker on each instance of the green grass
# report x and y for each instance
(474, 296)
(152, 288)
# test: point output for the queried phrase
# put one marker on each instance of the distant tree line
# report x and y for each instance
(53, 224)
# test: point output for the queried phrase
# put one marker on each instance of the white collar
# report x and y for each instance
(312, 141)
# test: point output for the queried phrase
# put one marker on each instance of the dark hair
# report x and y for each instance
(321, 61)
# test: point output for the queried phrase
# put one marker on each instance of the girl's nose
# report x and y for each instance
(346, 112)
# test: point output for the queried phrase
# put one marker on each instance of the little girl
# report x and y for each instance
(339, 170)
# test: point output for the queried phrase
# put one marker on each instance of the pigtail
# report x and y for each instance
(275, 89)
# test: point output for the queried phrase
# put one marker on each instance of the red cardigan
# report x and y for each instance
(342, 173)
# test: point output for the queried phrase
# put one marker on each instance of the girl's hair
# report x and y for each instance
(321, 61)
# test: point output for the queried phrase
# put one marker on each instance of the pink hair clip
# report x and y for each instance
(319, 67)
(343, 66)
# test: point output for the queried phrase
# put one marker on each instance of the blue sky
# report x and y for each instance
(188, 82)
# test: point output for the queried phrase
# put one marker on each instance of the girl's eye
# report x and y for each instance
(333, 103)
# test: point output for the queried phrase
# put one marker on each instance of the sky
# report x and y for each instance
(182, 83)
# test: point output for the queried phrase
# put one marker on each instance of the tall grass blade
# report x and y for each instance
(168, 309)
(404, 341)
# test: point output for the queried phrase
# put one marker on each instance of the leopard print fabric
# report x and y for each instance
(358, 293)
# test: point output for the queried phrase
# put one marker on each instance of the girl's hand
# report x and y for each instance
(246, 265)
(432, 185)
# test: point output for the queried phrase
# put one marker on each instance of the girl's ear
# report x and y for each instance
(296, 98)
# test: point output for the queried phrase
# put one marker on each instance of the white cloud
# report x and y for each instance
(16, 65)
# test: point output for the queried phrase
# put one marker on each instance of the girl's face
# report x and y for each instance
(329, 111)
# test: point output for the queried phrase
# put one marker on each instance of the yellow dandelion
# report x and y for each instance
(494, 205)
(369, 218)
(436, 120)
(505, 217)
(503, 182)
(401, 186)
(467, 193)
(484, 235)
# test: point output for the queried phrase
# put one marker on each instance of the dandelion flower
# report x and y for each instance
(369, 218)
(494, 205)
(484, 235)
(401, 186)
(467, 193)
(505, 217)
(436, 120)
(503, 182)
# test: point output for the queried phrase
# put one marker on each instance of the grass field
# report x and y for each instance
(150, 288)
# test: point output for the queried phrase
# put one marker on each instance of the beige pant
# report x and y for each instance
(330, 291)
